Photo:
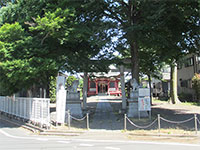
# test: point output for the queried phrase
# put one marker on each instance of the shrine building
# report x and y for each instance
(104, 83)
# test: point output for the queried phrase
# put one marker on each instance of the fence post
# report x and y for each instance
(68, 113)
(88, 126)
(195, 122)
(159, 123)
(125, 122)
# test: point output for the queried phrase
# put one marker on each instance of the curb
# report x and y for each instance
(164, 135)
(59, 134)
(20, 125)
(40, 131)
(35, 129)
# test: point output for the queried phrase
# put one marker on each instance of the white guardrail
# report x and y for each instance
(35, 110)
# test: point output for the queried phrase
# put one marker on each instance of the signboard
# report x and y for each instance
(144, 104)
(144, 92)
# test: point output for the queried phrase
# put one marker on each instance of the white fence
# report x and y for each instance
(35, 110)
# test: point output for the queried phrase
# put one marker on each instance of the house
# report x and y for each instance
(161, 87)
(186, 71)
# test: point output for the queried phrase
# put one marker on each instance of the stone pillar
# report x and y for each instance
(123, 87)
(85, 87)
(60, 99)
(73, 102)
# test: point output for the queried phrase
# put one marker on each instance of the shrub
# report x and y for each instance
(69, 81)
(52, 89)
(185, 97)
(196, 85)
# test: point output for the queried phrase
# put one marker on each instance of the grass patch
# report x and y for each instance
(159, 101)
(182, 103)
(170, 131)
(191, 103)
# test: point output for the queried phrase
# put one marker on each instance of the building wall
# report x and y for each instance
(162, 87)
(186, 71)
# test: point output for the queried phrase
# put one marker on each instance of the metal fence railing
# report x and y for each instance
(35, 110)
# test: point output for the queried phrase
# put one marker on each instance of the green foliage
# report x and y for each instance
(196, 85)
(81, 87)
(39, 38)
(52, 89)
(185, 97)
(20, 62)
(69, 81)
(150, 62)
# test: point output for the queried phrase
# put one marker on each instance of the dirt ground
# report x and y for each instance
(177, 112)
(182, 133)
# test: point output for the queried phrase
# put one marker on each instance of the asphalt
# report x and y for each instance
(15, 138)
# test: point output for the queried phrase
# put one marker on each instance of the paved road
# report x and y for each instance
(14, 138)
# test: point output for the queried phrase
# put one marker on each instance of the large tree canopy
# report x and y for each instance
(53, 35)
(40, 38)
(164, 30)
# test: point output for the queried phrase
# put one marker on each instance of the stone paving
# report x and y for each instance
(104, 117)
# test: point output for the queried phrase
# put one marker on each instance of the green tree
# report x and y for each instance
(52, 89)
(151, 65)
(18, 66)
(69, 81)
(180, 31)
(171, 28)
(196, 85)
(55, 35)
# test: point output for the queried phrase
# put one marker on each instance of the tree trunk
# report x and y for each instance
(29, 93)
(135, 61)
(149, 79)
(173, 85)
(133, 19)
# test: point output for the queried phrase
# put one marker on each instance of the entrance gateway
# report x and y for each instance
(95, 83)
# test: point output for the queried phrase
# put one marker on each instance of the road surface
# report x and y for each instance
(15, 138)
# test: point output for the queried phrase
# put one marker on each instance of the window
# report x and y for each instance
(184, 83)
(112, 84)
(92, 84)
(189, 62)
(198, 58)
